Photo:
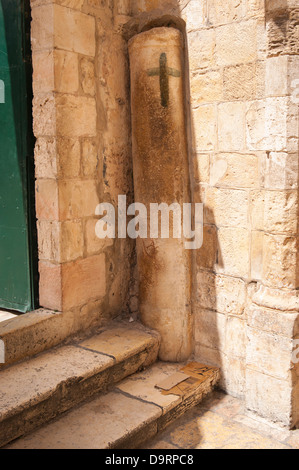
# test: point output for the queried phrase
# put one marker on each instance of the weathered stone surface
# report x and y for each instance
(204, 121)
(234, 170)
(277, 406)
(78, 198)
(233, 255)
(226, 207)
(243, 81)
(46, 197)
(279, 261)
(222, 293)
(206, 87)
(83, 281)
(210, 329)
(87, 76)
(74, 31)
(75, 116)
(279, 170)
(202, 49)
(236, 43)
(231, 127)
(129, 418)
(56, 381)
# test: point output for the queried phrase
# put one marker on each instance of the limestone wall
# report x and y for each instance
(83, 157)
(243, 58)
(243, 145)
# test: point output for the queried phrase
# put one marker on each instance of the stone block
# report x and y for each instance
(83, 281)
(206, 87)
(45, 158)
(204, 122)
(66, 71)
(269, 397)
(236, 43)
(77, 199)
(222, 293)
(279, 170)
(93, 244)
(277, 76)
(280, 261)
(206, 255)
(210, 329)
(68, 155)
(272, 321)
(50, 293)
(74, 31)
(42, 27)
(226, 207)
(223, 12)
(87, 76)
(243, 81)
(75, 116)
(46, 199)
(44, 115)
(201, 163)
(234, 170)
(89, 157)
(43, 72)
(233, 251)
(201, 45)
(231, 125)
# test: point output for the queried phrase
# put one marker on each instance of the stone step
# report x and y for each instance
(125, 417)
(37, 390)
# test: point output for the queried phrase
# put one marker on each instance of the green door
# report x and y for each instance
(17, 237)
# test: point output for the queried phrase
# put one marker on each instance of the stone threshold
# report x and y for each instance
(127, 416)
(37, 390)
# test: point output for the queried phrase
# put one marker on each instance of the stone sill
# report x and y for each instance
(32, 333)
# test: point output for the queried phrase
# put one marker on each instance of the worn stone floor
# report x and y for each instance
(219, 422)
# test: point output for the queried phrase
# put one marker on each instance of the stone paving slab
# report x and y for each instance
(105, 422)
(219, 422)
(120, 342)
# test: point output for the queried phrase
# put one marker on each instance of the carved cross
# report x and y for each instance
(163, 71)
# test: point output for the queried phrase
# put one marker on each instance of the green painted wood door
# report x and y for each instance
(17, 238)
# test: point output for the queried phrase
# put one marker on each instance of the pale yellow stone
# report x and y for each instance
(233, 376)
(256, 255)
(210, 329)
(45, 158)
(77, 198)
(222, 293)
(68, 156)
(71, 241)
(204, 122)
(94, 244)
(234, 170)
(206, 87)
(277, 76)
(201, 49)
(226, 207)
(233, 255)
(66, 71)
(231, 125)
(119, 342)
(202, 168)
(279, 261)
(75, 116)
(274, 211)
(236, 43)
(277, 406)
(272, 321)
(243, 81)
(44, 115)
(223, 12)
(89, 157)
(48, 240)
(236, 337)
(279, 170)
(74, 31)
(87, 76)
(43, 72)
(42, 27)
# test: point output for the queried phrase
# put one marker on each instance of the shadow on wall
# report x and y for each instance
(204, 302)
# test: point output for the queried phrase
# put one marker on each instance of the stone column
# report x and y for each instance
(161, 175)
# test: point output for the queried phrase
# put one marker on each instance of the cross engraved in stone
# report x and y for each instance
(163, 71)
